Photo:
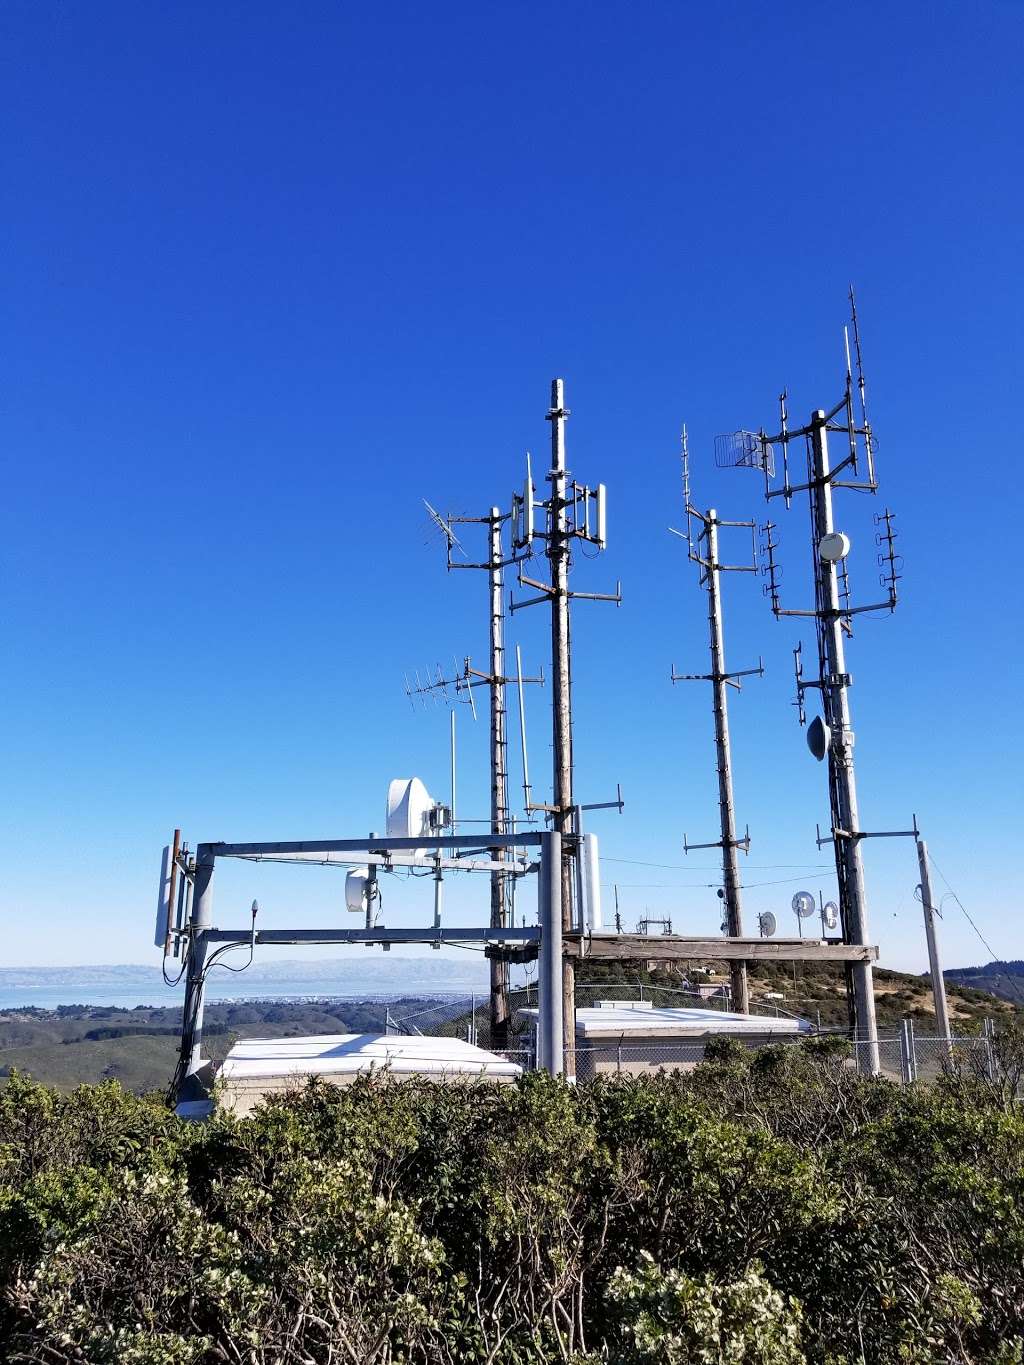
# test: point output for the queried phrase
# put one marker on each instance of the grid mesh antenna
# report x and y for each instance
(744, 450)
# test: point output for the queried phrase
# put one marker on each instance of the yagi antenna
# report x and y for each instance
(444, 528)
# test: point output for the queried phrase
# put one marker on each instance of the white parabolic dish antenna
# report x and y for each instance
(833, 547)
(410, 809)
(803, 904)
(767, 924)
(831, 913)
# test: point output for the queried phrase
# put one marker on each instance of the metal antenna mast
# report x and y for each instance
(832, 734)
(702, 549)
(496, 680)
(569, 510)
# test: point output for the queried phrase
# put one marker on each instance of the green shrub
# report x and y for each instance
(770, 1206)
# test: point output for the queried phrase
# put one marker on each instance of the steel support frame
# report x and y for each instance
(202, 932)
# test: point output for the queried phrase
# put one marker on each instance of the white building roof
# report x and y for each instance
(625, 1019)
(262, 1059)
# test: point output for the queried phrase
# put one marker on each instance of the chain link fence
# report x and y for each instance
(904, 1055)
(908, 1056)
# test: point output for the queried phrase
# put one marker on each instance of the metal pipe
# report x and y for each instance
(379, 934)
(730, 860)
(404, 844)
(172, 889)
(192, 1016)
(550, 1008)
(836, 702)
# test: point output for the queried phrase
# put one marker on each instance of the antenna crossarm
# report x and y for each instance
(726, 677)
(615, 596)
(743, 843)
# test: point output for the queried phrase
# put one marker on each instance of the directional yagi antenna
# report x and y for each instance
(443, 526)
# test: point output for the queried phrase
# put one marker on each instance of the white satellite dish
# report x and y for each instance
(830, 912)
(833, 547)
(803, 904)
(355, 889)
(819, 738)
(767, 924)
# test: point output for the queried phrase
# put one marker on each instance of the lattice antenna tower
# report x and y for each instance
(831, 734)
(702, 542)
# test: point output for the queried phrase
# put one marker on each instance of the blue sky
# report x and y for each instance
(275, 273)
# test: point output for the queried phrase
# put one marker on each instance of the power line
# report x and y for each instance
(992, 952)
(691, 886)
(696, 867)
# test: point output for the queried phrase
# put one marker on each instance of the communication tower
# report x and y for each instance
(831, 734)
(701, 538)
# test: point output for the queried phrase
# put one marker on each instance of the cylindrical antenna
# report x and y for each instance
(453, 769)
(527, 799)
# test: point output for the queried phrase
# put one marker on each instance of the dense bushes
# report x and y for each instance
(768, 1208)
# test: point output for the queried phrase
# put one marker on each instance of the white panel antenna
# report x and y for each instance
(523, 512)
(163, 899)
(355, 889)
(601, 500)
(590, 874)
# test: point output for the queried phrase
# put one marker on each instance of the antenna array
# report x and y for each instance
(461, 685)
(831, 734)
(701, 538)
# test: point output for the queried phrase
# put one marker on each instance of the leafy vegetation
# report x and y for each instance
(765, 1209)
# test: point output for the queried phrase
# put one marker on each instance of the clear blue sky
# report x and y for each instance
(272, 273)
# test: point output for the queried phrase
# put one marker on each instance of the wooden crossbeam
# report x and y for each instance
(666, 947)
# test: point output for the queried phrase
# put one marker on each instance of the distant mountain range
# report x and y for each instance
(126, 983)
(1002, 979)
(387, 968)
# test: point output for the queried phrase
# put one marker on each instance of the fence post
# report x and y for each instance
(912, 1049)
(988, 1031)
(618, 1056)
(905, 1072)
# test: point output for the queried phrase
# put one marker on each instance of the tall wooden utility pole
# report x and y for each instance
(570, 508)
(831, 734)
(703, 550)
(563, 812)
(496, 680)
(934, 963)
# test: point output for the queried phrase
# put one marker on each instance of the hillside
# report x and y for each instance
(1002, 979)
(138, 1047)
(75, 1044)
(818, 993)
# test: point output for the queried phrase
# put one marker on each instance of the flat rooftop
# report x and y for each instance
(345, 1054)
(639, 1020)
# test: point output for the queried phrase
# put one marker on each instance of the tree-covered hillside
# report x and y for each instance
(765, 1209)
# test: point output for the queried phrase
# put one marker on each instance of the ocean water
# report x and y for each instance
(221, 988)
